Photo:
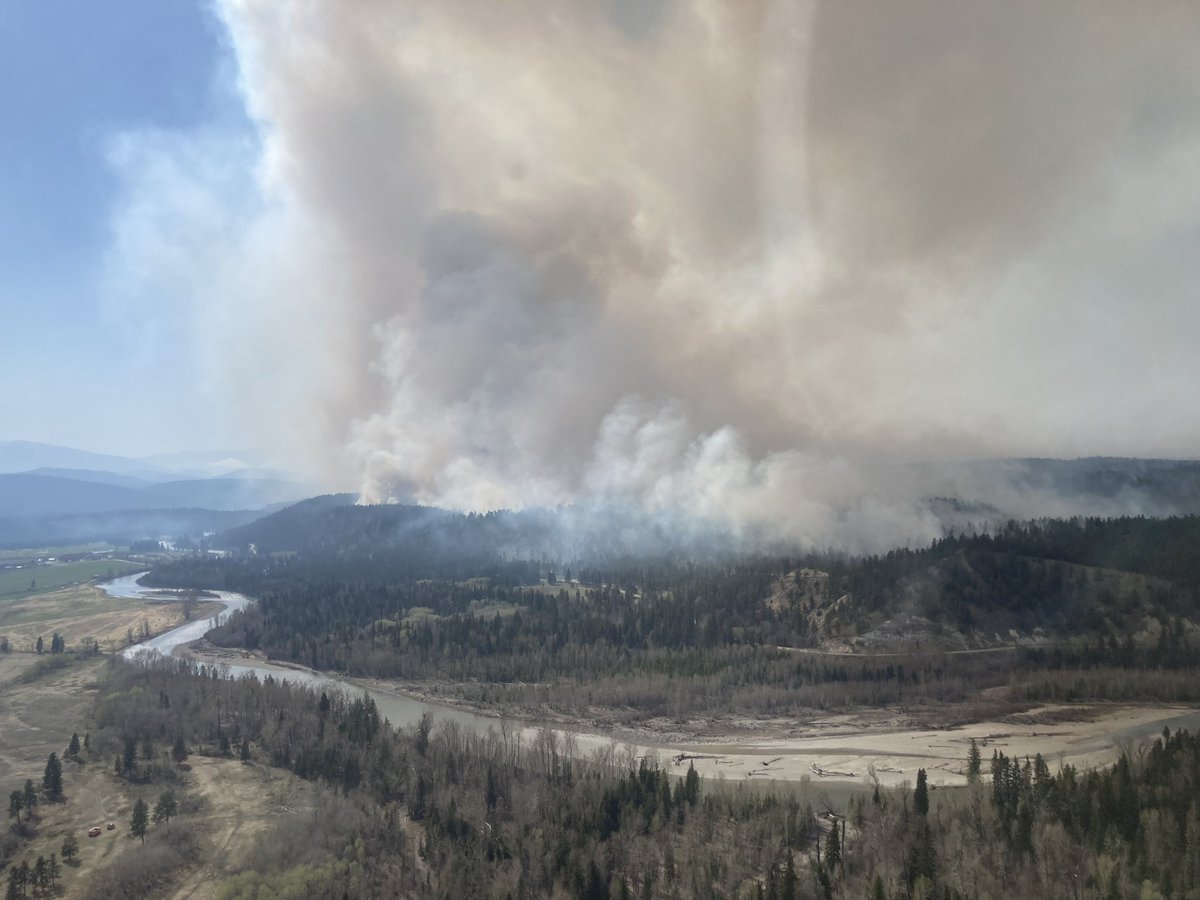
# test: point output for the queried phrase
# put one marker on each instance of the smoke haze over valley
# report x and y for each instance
(766, 264)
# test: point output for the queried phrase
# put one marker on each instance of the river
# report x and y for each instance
(833, 750)
(398, 709)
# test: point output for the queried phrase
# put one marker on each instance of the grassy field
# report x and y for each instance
(224, 804)
(85, 611)
(36, 553)
(28, 580)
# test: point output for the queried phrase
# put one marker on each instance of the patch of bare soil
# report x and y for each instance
(241, 802)
(848, 748)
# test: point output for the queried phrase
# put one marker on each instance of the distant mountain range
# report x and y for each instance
(29, 456)
(31, 494)
(50, 493)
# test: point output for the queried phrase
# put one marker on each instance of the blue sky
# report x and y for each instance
(74, 76)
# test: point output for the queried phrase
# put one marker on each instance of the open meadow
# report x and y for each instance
(223, 803)
(82, 613)
(28, 580)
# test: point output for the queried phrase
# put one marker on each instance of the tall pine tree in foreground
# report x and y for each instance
(921, 794)
(140, 820)
(52, 779)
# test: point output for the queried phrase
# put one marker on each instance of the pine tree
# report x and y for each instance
(921, 794)
(824, 882)
(179, 751)
(30, 796)
(491, 792)
(974, 762)
(70, 847)
(139, 820)
(691, 785)
(129, 757)
(922, 857)
(789, 886)
(833, 848)
(52, 778)
(165, 808)
(73, 747)
(16, 802)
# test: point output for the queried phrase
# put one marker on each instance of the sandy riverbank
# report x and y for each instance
(855, 746)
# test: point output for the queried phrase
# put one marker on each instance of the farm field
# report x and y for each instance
(35, 553)
(29, 580)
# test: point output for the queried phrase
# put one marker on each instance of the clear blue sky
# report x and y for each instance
(74, 75)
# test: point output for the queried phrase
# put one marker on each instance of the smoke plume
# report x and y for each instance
(730, 260)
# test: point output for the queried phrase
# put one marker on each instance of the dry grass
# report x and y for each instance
(242, 802)
(86, 612)
(233, 802)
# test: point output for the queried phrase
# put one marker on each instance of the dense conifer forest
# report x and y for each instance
(433, 811)
(1072, 610)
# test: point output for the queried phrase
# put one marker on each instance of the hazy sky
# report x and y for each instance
(704, 254)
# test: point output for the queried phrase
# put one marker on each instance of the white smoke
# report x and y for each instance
(710, 258)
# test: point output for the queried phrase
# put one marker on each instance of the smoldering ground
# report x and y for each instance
(709, 260)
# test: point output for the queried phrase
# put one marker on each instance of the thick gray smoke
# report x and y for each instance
(718, 259)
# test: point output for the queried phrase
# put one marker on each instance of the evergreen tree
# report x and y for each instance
(165, 808)
(424, 726)
(70, 847)
(40, 646)
(691, 785)
(52, 778)
(179, 750)
(922, 856)
(16, 802)
(974, 762)
(139, 821)
(73, 747)
(824, 882)
(787, 890)
(921, 794)
(833, 848)
(30, 796)
(129, 757)
(491, 792)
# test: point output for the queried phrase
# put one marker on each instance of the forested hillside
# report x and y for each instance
(655, 636)
(437, 812)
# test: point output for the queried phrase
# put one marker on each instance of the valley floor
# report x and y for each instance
(854, 747)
